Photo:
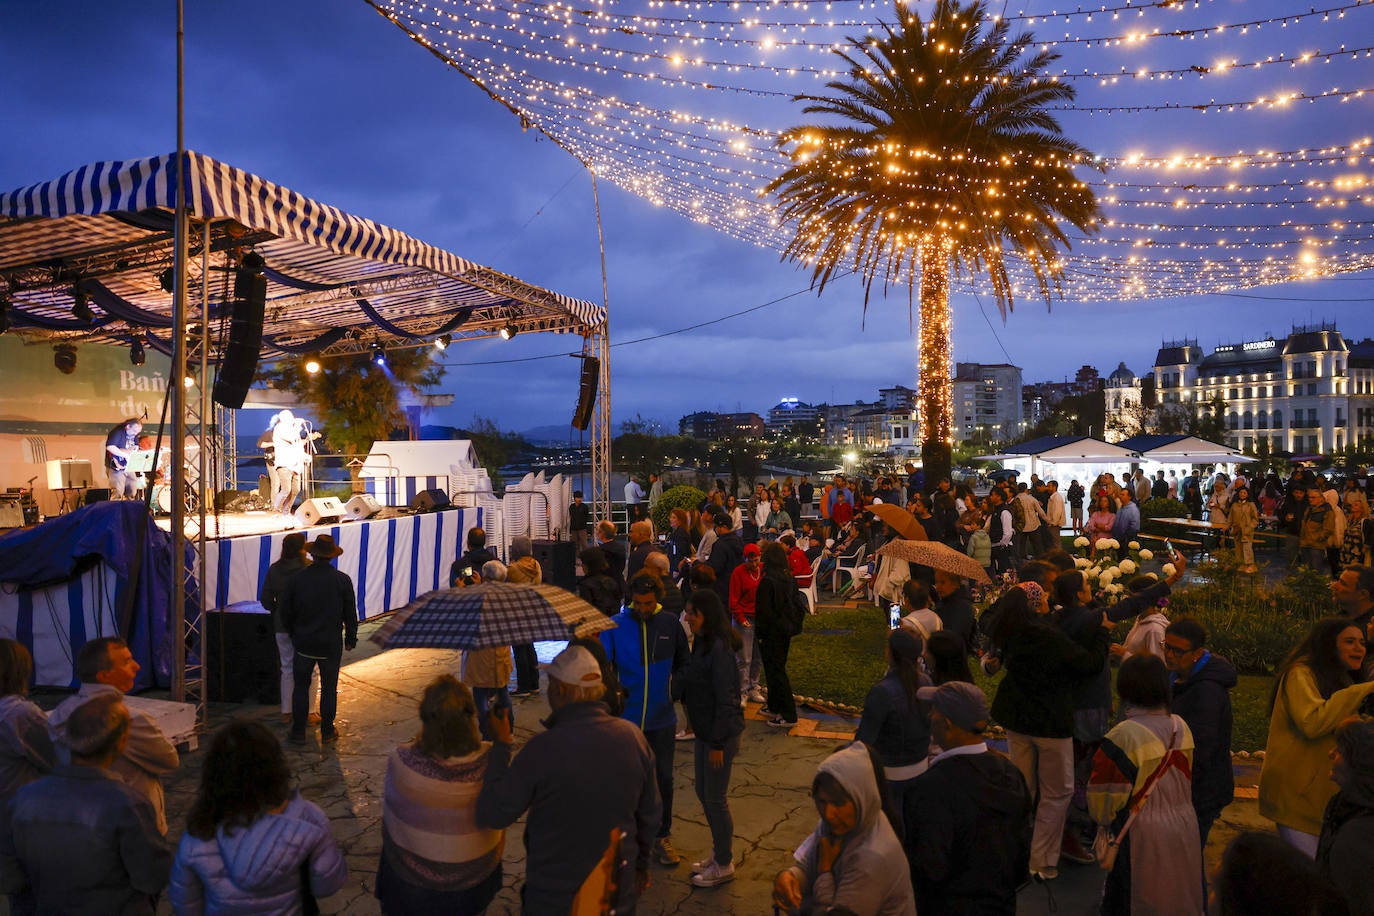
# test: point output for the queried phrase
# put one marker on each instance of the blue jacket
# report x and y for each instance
(258, 868)
(646, 654)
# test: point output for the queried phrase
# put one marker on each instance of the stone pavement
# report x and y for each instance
(769, 794)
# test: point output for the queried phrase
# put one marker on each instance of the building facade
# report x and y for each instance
(1311, 393)
(987, 402)
(709, 425)
(791, 414)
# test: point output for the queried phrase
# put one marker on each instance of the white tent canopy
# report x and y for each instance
(1179, 449)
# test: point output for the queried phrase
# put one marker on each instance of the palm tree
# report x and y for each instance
(936, 154)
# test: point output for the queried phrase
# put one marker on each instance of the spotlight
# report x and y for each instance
(137, 355)
(509, 331)
(252, 263)
(378, 355)
(81, 306)
(312, 366)
(442, 341)
(167, 279)
(64, 358)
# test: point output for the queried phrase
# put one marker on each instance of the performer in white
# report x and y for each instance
(289, 439)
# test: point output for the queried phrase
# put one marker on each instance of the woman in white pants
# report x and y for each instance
(293, 559)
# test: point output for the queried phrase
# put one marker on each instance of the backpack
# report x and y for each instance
(1018, 514)
(795, 612)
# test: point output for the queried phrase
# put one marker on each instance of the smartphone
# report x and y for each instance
(1168, 547)
(894, 616)
(467, 572)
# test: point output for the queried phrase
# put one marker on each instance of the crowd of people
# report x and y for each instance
(920, 812)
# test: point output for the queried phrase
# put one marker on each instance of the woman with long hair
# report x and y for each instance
(895, 724)
(709, 688)
(773, 632)
(1243, 518)
(26, 748)
(679, 538)
(1045, 671)
(1158, 865)
(1315, 689)
(252, 844)
(947, 658)
(1100, 522)
(435, 858)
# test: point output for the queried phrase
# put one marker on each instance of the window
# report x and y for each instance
(1312, 417)
(1249, 421)
(1234, 394)
(1312, 388)
(1234, 420)
(1278, 419)
(1263, 419)
(1249, 393)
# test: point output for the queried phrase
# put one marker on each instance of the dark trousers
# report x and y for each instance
(486, 699)
(713, 788)
(663, 742)
(1002, 559)
(302, 669)
(773, 653)
(526, 669)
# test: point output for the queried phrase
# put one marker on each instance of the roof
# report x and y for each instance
(336, 282)
(1314, 341)
(1070, 448)
(1180, 449)
(1121, 374)
(1146, 441)
(1178, 354)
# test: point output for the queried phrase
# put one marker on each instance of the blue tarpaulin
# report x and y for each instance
(47, 594)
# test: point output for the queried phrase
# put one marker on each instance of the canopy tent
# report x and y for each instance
(336, 282)
(1069, 456)
(1181, 449)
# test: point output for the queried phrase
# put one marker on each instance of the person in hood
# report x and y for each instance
(252, 845)
(1345, 849)
(1201, 695)
(967, 817)
(647, 648)
(854, 861)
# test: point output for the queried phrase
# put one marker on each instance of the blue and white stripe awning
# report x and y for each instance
(106, 228)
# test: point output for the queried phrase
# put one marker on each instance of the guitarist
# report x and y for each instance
(120, 444)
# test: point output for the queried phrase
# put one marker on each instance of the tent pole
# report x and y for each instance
(601, 432)
(179, 231)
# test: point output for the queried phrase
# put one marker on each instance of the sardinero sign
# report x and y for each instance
(1258, 345)
(103, 389)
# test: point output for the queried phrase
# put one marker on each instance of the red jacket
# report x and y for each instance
(801, 566)
(743, 586)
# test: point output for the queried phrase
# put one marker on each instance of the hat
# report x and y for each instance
(575, 667)
(962, 703)
(324, 548)
(521, 546)
(752, 550)
(722, 520)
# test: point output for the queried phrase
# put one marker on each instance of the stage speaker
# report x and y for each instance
(239, 361)
(11, 512)
(241, 660)
(586, 393)
(323, 510)
(557, 560)
(97, 495)
(430, 501)
(361, 506)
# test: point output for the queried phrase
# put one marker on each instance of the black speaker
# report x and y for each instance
(430, 501)
(557, 560)
(239, 361)
(241, 660)
(586, 393)
(97, 495)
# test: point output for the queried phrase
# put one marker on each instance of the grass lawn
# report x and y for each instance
(840, 656)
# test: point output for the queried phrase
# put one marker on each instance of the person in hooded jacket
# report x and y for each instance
(597, 587)
(251, 844)
(1201, 685)
(1345, 849)
(968, 816)
(853, 862)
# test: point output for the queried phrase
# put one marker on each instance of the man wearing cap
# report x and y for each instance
(727, 552)
(968, 815)
(587, 773)
(318, 602)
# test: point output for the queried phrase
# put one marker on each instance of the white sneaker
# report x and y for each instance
(756, 696)
(699, 867)
(714, 874)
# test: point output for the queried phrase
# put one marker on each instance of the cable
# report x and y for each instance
(979, 300)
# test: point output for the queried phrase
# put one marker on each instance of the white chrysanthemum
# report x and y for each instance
(1081, 541)
(1128, 567)
(1114, 589)
(1103, 543)
(1092, 572)
(1082, 562)
(1105, 577)
(1113, 543)
(1154, 576)
(1147, 554)
(1134, 545)
(1168, 569)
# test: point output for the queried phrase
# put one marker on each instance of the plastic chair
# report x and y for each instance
(812, 599)
(851, 565)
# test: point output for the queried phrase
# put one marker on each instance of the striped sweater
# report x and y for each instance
(430, 836)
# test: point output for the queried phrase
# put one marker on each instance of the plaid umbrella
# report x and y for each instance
(936, 556)
(488, 616)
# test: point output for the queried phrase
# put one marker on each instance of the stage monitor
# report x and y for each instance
(430, 500)
(69, 474)
(361, 507)
(323, 510)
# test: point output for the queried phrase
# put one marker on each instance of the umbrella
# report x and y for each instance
(489, 616)
(936, 556)
(902, 521)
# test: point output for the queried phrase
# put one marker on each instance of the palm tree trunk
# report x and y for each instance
(933, 369)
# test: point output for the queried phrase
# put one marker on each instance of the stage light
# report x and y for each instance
(64, 358)
(252, 263)
(312, 366)
(442, 341)
(81, 306)
(378, 355)
(509, 331)
(137, 355)
(167, 279)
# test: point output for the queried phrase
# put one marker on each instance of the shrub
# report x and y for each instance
(1162, 508)
(679, 497)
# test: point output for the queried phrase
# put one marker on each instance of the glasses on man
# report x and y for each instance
(1170, 649)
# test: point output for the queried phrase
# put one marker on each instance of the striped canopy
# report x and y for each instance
(336, 282)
